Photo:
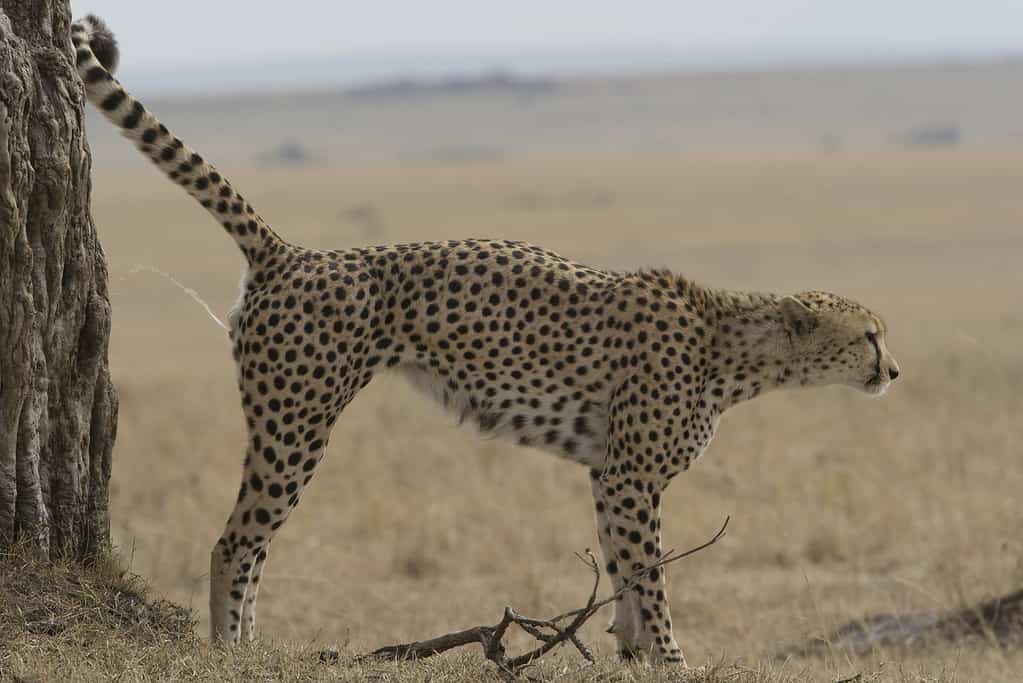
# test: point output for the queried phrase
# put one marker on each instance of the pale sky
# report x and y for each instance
(208, 32)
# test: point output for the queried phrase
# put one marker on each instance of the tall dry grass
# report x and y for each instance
(841, 506)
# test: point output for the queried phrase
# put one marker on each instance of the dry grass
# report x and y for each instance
(841, 506)
(98, 623)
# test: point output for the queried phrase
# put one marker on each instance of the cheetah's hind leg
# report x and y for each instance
(279, 463)
(251, 592)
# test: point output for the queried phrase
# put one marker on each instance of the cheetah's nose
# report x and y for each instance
(893, 373)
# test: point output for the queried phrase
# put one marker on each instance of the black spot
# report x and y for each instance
(132, 119)
(96, 73)
(114, 100)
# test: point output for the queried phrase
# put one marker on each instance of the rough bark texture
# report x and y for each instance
(58, 408)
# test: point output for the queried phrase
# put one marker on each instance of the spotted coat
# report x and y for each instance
(624, 373)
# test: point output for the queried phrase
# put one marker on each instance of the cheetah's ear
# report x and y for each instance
(799, 319)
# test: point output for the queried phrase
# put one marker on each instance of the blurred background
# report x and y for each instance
(351, 83)
(870, 148)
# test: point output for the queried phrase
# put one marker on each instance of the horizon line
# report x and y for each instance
(367, 70)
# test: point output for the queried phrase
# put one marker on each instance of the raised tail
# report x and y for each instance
(97, 56)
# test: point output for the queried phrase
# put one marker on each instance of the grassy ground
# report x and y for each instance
(841, 506)
(66, 623)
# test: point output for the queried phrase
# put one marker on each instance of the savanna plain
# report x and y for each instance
(841, 506)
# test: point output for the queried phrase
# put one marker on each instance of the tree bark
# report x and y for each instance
(58, 408)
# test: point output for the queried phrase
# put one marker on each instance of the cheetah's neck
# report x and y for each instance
(750, 349)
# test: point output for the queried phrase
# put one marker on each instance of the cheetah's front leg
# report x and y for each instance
(625, 623)
(630, 534)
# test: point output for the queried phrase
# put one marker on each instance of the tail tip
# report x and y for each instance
(102, 42)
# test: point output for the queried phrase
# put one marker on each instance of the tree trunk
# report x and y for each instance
(58, 408)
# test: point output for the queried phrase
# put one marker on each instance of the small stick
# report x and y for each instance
(548, 632)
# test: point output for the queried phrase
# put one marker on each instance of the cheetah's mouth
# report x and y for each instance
(876, 386)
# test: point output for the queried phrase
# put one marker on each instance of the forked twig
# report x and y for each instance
(550, 633)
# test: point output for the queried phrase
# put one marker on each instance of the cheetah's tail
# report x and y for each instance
(96, 57)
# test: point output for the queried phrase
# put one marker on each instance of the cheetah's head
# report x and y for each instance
(838, 341)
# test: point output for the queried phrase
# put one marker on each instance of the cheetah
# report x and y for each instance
(627, 374)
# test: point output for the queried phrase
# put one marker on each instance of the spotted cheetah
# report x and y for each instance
(625, 373)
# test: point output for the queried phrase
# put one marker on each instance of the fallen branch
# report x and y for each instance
(999, 619)
(550, 633)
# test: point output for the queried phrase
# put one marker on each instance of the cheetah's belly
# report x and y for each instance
(571, 428)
